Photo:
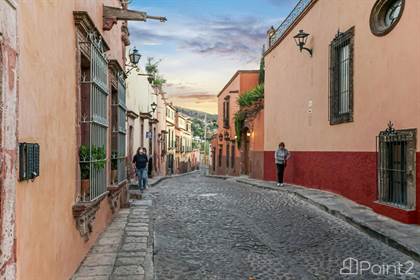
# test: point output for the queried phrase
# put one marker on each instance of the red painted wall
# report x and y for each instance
(350, 174)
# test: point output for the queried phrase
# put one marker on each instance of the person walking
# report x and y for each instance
(281, 157)
(140, 161)
(146, 170)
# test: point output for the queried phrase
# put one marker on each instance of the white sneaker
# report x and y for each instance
(278, 184)
(281, 185)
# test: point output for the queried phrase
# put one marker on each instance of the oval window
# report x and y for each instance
(385, 15)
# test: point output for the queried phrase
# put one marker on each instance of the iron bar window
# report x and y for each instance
(341, 77)
(226, 112)
(94, 119)
(232, 161)
(119, 129)
(220, 155)
(396, 166)
(227, 155)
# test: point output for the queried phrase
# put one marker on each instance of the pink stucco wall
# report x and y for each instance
(386, 88)
(48, 244)
(386, 82)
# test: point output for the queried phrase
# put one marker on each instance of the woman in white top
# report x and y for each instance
(281, 156)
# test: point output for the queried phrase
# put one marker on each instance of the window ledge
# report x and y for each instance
(114, 194)
(396, 206)
(85, 214)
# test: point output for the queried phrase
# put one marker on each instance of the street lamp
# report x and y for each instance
(134, 57)
(154, 106)
(301, 39)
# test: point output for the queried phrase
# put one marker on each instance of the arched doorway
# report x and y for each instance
(245, 146)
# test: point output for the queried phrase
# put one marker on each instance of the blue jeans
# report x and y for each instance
(142, 177)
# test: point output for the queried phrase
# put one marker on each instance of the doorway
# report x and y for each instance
(245, 139)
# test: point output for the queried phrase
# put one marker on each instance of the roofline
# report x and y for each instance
(293, 25)
(234, 77)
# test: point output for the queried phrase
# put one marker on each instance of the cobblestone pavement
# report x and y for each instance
(208, 228)
(124, 250)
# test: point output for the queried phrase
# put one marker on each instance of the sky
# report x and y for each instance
(204, 42)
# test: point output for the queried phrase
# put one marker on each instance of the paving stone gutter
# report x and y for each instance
(403, 237)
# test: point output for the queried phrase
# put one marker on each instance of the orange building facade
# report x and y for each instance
(346, 101)
(62, 132)
(227, 157)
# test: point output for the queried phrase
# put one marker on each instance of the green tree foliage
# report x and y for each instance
(261, 76)
(251, 102)
(152, 68)
(250, 97)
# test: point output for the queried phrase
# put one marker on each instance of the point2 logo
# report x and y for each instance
(353, 266)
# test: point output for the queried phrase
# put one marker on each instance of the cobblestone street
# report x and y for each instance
(207, 228)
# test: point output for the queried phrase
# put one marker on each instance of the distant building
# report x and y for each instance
(227, 158)
(142, 122)
(170, 139)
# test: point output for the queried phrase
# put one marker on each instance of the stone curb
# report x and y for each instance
(371, 229)
(160, 179)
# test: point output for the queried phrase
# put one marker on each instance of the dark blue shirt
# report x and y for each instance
(140, 160)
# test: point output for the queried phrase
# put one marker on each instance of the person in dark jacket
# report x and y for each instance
(140, 160)
(281, 156)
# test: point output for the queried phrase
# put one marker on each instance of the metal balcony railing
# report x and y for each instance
(290, 20)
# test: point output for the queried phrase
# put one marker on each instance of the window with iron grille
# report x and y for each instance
(227, 155)
(341, 77)
(226, 112)
(233, 156)
(94, 117)
(119, 130)
(220, 155)
(397, 167)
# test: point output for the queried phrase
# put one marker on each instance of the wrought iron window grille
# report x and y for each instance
(396, 167)
(341, 77)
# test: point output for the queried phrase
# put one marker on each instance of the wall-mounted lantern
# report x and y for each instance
(134, 57)
(154, 106)
(301, 39)
(227, 137)
(248, 134)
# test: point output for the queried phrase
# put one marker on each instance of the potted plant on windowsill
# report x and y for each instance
(84, 155)
(94, 157)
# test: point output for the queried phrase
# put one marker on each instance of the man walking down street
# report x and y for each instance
(281, 157)
(140, 160)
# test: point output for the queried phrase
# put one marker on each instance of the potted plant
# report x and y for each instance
(114, 167)
(84, 155)
(94, 157)
(152, 69)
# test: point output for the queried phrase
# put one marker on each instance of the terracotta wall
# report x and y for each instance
(48, 244)
(386, 80)
(9, 65)
(256, 162)
(241, 82)
(386, 87)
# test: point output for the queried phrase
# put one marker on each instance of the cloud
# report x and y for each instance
(198, 96)
(235, 38)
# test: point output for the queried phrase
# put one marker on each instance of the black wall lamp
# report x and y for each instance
(154, 106)
(301, 39)
(134, 57)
